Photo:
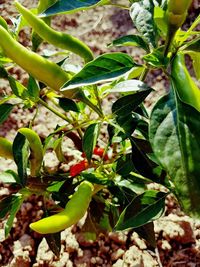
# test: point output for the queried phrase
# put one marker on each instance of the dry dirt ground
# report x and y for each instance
(178, 236)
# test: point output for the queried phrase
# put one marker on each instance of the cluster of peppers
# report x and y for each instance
(54, 77)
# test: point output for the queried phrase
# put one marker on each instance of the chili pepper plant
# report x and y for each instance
(138, 148)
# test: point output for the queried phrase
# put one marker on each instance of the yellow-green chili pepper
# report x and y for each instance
(36, 147)
(75, 209)
(5, 148)
(183, 83)
(177, 12)
(42, 6)
(59, 39)
(42, 69)
(3, 23)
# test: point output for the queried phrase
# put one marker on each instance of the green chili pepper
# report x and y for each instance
(36, 147)
(177, 12)
(5, 148)
(3, 23)
(42, 69)
(183, 83)
(59, 39)
(42, 6)
(75, 209)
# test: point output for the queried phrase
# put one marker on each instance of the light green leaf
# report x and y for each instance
(142, 14)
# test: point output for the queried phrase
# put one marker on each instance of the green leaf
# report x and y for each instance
(5, 110)
(147, 232)
(196, 63)
(125, 165)
(129, 103)
(90, 139)
(129, 86)
(68, 104)
(130, 40)
(14, 207)
(193, 45)
(3, 72)
(17, 88)
(54, 242)
(160, 20)
(96, 178)
(142, 14)
(9, 177)
(141, 162)
(143, 209)
(156, 58)
(21, 153)
(71, 6)
(104, 68)
(175, 139)
(33, 89)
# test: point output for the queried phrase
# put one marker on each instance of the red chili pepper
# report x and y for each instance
(79, 167)
(100, 152)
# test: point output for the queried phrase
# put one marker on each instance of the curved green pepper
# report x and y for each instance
(36, 147)
(42, 69)
(59, 39)
(177, 12)
(5, 148)
(75, 209)
(42, 6)
(186, 88)
(3, 23)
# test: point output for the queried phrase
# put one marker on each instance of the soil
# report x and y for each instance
(177, 235)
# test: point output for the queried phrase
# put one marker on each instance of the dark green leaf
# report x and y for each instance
(128, 123)
(103, 68)
(129, 103)
(54, 242)
(90, 139)
(9, 177)
(3, 72)
(5, 205)
(70, 6)
(131, 40)
(137, 188)
(68, 104)
(5, 110)
(142, 14)
(142, 163)
(33, 89)
(144, 209)
(175, 139)
(125, 165)
(21, 153)
(147, 232)
(194, 45)
(15, 206)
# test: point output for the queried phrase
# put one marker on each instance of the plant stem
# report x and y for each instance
(170, 37)
(97, 96)
(92, 106)
(144, 74)
(43, 103)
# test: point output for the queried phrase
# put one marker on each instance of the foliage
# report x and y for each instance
(140, 148)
